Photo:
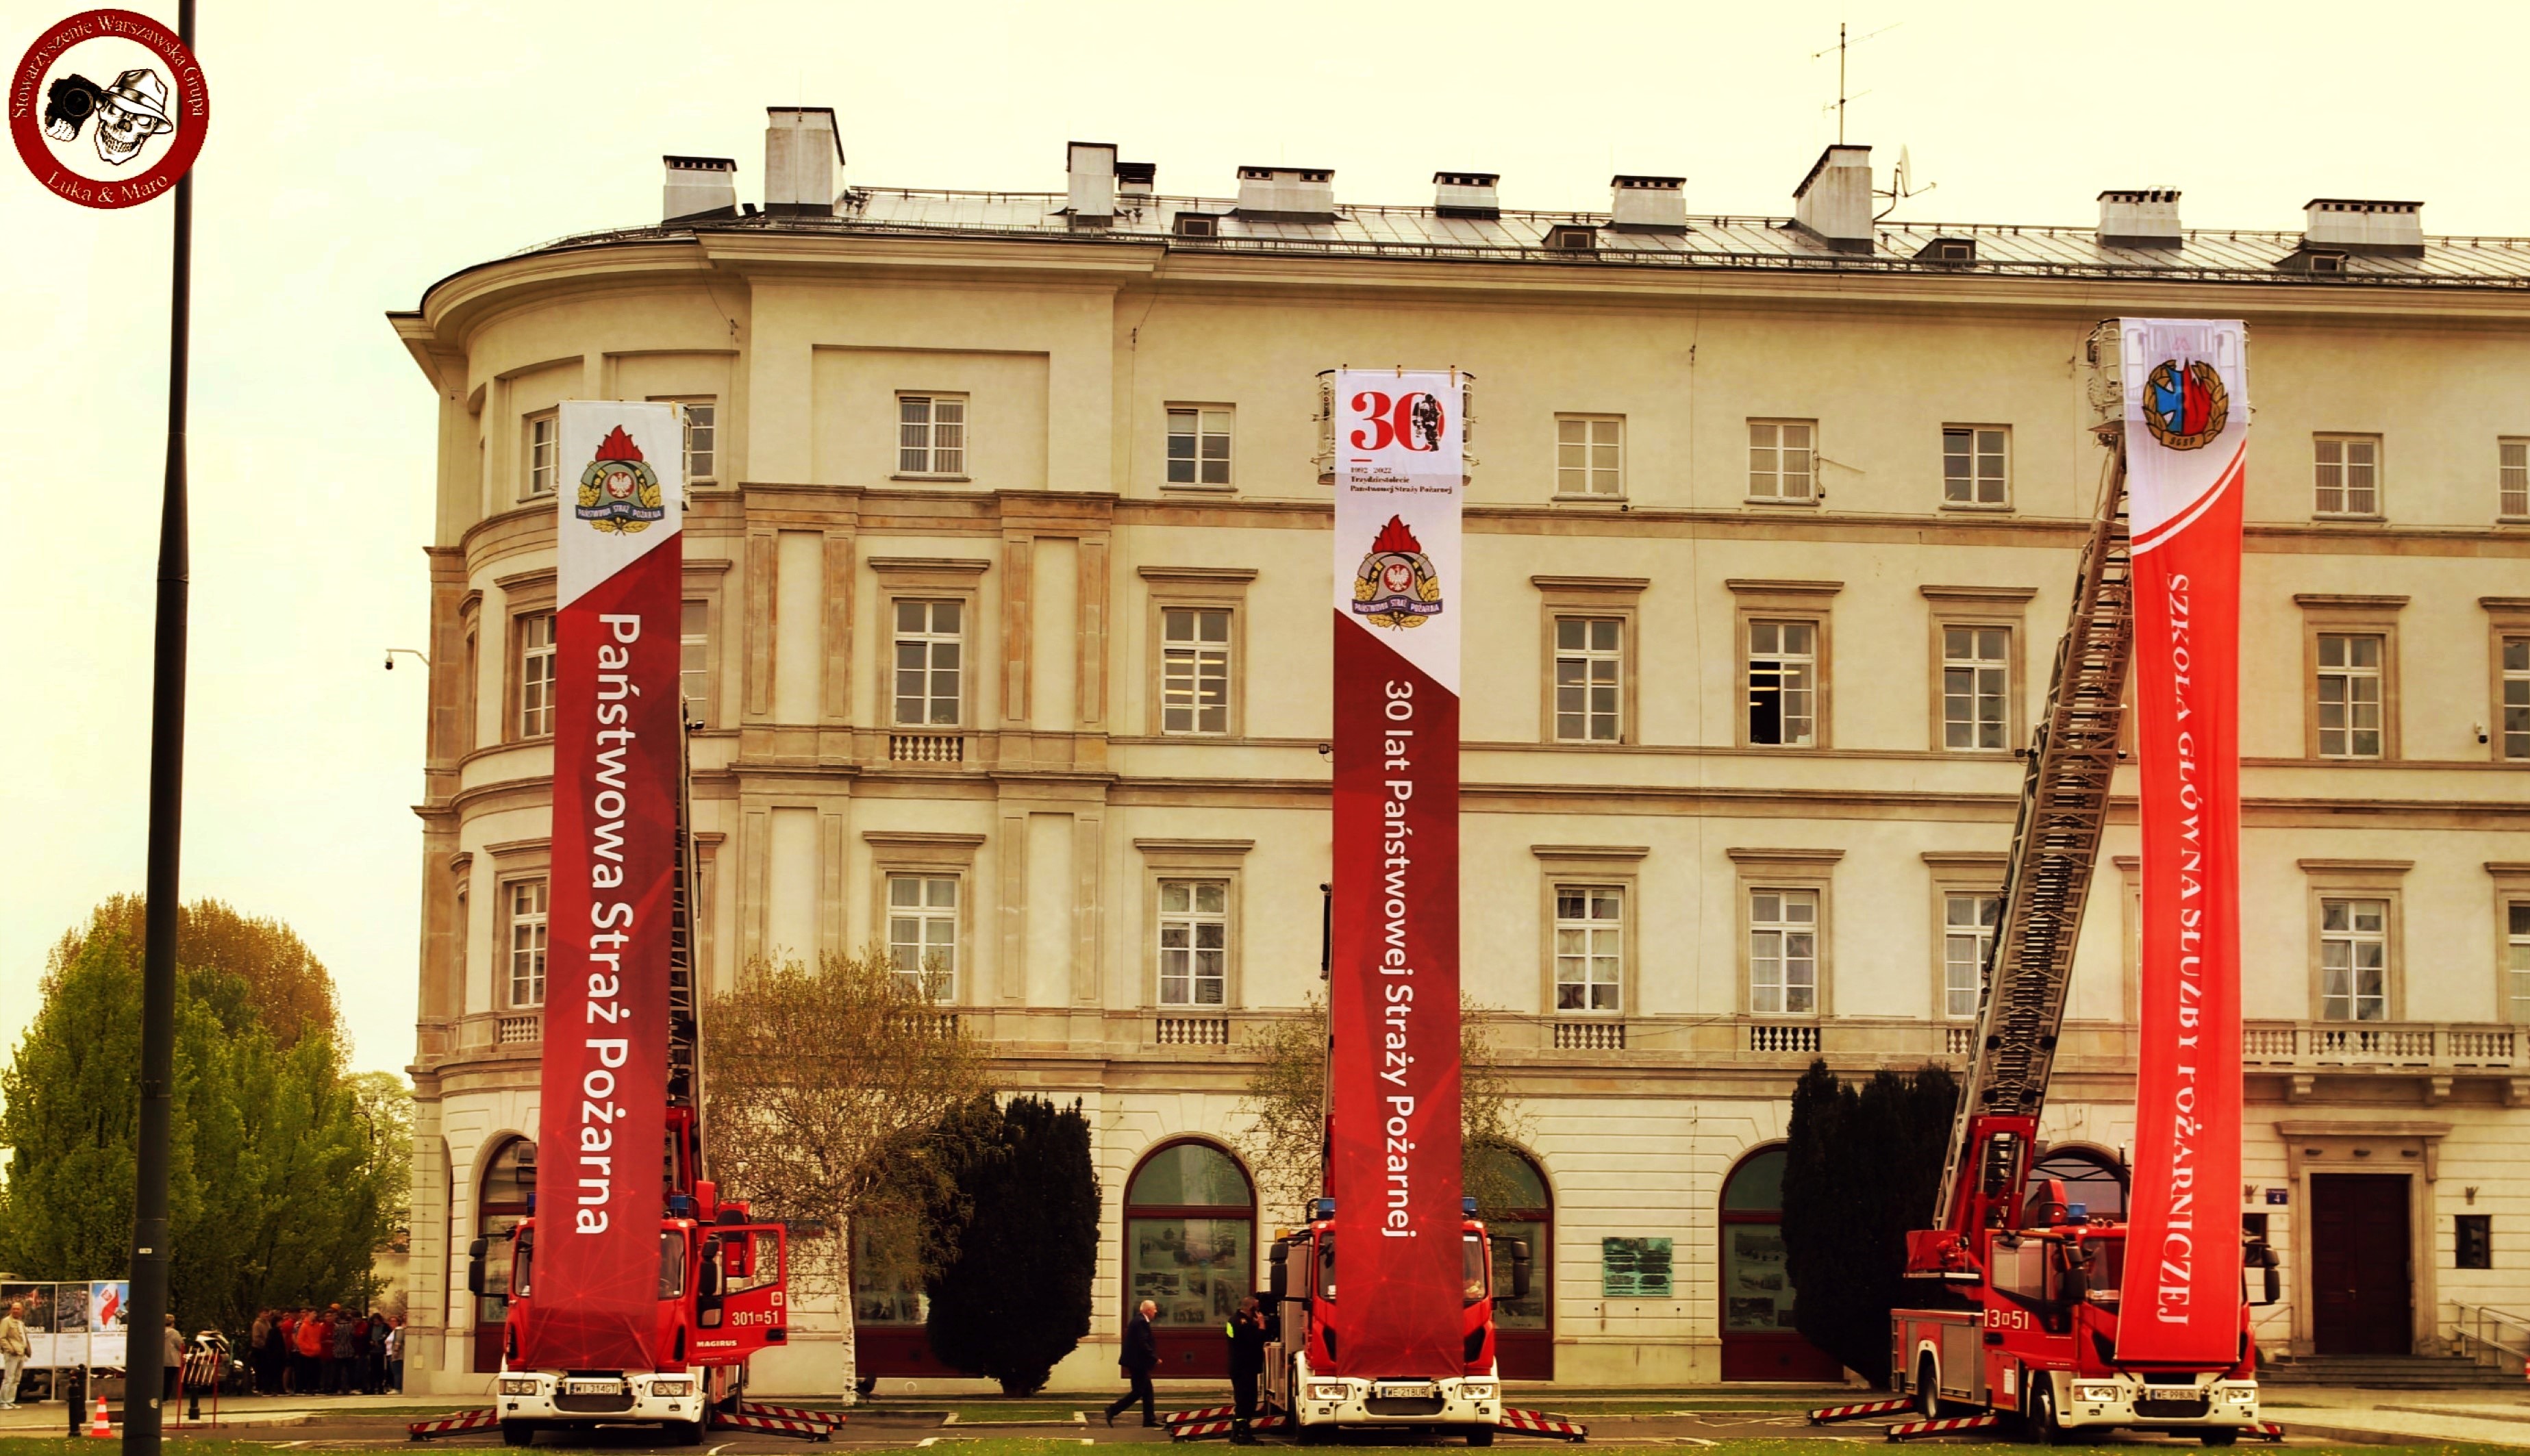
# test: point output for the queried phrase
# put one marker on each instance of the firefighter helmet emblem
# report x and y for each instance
(1395, 587)
(619, 492)
(2186, 406)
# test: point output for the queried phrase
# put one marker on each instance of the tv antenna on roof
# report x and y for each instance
(1844, 44)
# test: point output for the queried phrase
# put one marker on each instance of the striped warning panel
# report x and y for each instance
(477, 1420)
(1199, 1429)
(791, 1413)
(1857, 1412)
(1539, 1422)
(2267, 1431)
(817, 1430)
(1906, 1431)
(1175, 1419)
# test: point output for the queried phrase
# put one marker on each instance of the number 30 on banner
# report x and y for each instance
(1411, 420)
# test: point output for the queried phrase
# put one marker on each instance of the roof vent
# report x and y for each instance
(1288, 194)
(2144, 217)
(1948, 251)
(1647, 204)
(1197, 225)
(1092, 165)
(1834, 203)
(1578, 238)
(1466, 195)
(1136, 179)
(802, 154)
(699, 188)
(2390, 229)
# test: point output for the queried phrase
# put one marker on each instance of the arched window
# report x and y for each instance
(1758, 1339)
(2090, 1178)
(503, 1189)
(1189, 1248)
(1524, 1209)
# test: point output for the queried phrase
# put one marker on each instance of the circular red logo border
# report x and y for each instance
(192, 100)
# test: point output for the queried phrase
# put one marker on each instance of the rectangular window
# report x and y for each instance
(930, 658)
(536, 663)
(931, 434)
(1782, 952)
(544, 454)
(1968, 933)
(1589, 662)
(1976, 699)
(1194, 943)
(1589, 456)
(694, 660)
(922, 933)
(1199, 446)
(702, 439)
(1783, 683)
(2516, 962)
(1195, 670)
(2354, 960)
(527, 904)
(2512, 478)
(1976, 465)
(2516, 697)
(2473, 1240)
(2349, 696)
(1781, 459)
(2348, 476)
(1590, 948)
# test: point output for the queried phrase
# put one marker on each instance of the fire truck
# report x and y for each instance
(2020, 1286)
(1308, 1326)
(722, 1290)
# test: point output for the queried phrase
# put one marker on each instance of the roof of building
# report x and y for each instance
(1736, 241)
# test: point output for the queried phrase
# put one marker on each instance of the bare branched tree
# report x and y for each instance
(827, 1084)
(1283, 1116)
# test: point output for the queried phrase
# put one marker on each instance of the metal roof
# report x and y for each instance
(1739, 242)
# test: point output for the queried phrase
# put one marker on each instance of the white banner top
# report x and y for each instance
(2187, 419)
(1400, 463)
(622, 489)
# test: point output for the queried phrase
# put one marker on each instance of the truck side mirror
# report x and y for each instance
(1520, 1269)
(474, 1252)
(1277, 1272)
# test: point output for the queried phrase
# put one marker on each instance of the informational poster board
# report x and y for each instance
(71, 1326)
(1635, 1268)
(109, 1303)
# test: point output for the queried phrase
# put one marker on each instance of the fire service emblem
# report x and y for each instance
(1395, 587)
(2185, 406)
(619, 492)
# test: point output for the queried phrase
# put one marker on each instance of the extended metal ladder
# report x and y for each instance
(685, 1026)
(2056, 844)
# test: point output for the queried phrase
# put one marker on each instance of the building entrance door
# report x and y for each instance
(2358, 1265)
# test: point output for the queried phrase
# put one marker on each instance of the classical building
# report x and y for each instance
(1006, 636)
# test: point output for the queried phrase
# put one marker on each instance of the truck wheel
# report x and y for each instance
(1928, 1389)
(518, 1433)
(1480, 1436)
(2222, 1437)
(687, 1433)
(2043, 1424)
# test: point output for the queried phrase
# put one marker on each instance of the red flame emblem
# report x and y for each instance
(1393, 536)
(617, 446)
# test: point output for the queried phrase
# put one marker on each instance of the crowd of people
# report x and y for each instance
(331, 1351)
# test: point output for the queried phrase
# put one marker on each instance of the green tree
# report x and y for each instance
(1862, 1166)
(1014, 1300)
(262, 973)
(384, 1101)
(276, 1189)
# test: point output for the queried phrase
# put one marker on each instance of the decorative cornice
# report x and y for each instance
(1966, 859)
(509, 848)
(1978, 594)
(1590, 851)
(1784, 856)
(1751, 586)
(2355, 866)
(1199, 576)
(2347, 601)
(518, 581)
(919, 838)
(907, 566)
(1631, 586)
(1194, 847)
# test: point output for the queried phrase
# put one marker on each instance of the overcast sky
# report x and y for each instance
(357, 154)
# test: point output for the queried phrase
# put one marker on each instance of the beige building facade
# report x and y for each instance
(1006, 568)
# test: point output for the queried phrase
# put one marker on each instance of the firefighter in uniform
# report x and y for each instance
(1246, 1332)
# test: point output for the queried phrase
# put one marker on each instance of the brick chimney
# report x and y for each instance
(1834, 203)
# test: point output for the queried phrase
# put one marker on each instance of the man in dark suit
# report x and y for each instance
(1142, 1356)
(1246, 1331)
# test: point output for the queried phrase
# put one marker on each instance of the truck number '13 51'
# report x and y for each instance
(2007, 1318)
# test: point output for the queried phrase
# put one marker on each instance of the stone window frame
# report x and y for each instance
(2511, 879)
(1225, 860)
(1812, 870)
(2365, 880)
(1785, 601)
(932, 854)
(512, 862)
(1748, 469)
(1169, 409)
(2345, 440)
(2005, 607)
(1588, 418)
(1957, 871)
(685, 438)
(1992, 507)
(704, 582)
(469, 696)
(1618, 865)
(1199, 588)
(1619, 597)
(527, 423)
(929, 579)
(931, 399)
(2336, 614)
(2506, 616)
(525, 594)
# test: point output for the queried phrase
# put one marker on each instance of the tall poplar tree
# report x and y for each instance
(1015, 1298)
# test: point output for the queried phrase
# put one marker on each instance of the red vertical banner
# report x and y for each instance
(602, 1127)
(2186, 444)
(1392, 997)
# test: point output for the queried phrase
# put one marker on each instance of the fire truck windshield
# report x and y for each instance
(2108, 1267)
(1326, 1265)
(1472, 1268)
(671, 1263)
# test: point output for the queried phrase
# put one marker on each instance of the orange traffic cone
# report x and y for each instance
(100, 1425)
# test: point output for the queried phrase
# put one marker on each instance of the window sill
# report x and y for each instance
(704, 482)
(1196, 488)
(2352, 519)
(934, 479)
(1782, 747)
(1581, 742)
(1978, 508)
(1811, 503)
(1588, 499)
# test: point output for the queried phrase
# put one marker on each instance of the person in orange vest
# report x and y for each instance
(315, 1340)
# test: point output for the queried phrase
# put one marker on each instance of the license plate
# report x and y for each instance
(592, 1388)
(1420, 1390)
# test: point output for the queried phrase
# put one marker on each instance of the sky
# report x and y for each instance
(357, 154)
